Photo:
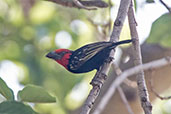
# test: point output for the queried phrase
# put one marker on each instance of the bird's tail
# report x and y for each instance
(121, 42)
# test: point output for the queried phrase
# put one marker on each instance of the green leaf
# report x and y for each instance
(5, 90)
(150, 1)
(35, 94)
(161, 31)
(13, 107)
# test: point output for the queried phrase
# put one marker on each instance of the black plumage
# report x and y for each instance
(91, 56)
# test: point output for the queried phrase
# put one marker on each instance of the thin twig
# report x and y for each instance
(167, 7)
(130, 72)
(123, 97)
(142, 89)
(125, 101)
(80, 5)
(126, 81)
(100, 76)
(154, 92)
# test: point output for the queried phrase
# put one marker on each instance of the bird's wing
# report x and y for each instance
(83, 54)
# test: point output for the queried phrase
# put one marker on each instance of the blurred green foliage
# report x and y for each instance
(27, 34)
(6, 91)
(30, 93)
(13, 107)
(38, 95)
(150, 1)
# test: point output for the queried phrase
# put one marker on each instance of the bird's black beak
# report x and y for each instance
(53, 55)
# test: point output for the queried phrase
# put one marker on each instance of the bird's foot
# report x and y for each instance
(98, 81)
(109, 59)
(103, 76)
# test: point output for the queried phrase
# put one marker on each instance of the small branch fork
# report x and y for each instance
(130, 72)
(128, 82)
(100, 76)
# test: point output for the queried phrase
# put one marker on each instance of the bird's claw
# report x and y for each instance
(104, 76)
(109, 59)
(98, 81)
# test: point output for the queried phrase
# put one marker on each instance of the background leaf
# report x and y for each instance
(6, 91)
(150, 1)
(36, 94)
(13, 107)
(161, 31)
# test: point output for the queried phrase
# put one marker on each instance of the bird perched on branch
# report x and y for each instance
(86, 58)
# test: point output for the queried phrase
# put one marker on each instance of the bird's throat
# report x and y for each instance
(64, 60)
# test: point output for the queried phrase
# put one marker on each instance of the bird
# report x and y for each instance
(85, 58)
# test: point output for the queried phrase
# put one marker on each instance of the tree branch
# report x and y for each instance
(123, 97)
(100, 76)
(81, 4)
(128, 82)
(166, 6)
(142, 89)
(130, 72)
(125, 101)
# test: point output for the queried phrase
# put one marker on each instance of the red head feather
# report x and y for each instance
(65, 58)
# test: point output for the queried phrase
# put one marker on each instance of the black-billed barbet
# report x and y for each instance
(86, 58)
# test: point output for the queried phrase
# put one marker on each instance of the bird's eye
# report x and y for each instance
(62, 53)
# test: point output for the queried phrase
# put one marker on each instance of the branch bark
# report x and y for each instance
(142, 89)
(130, 72)
(81, 4)
(100, 76)
(123, 97)
(125, 101)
